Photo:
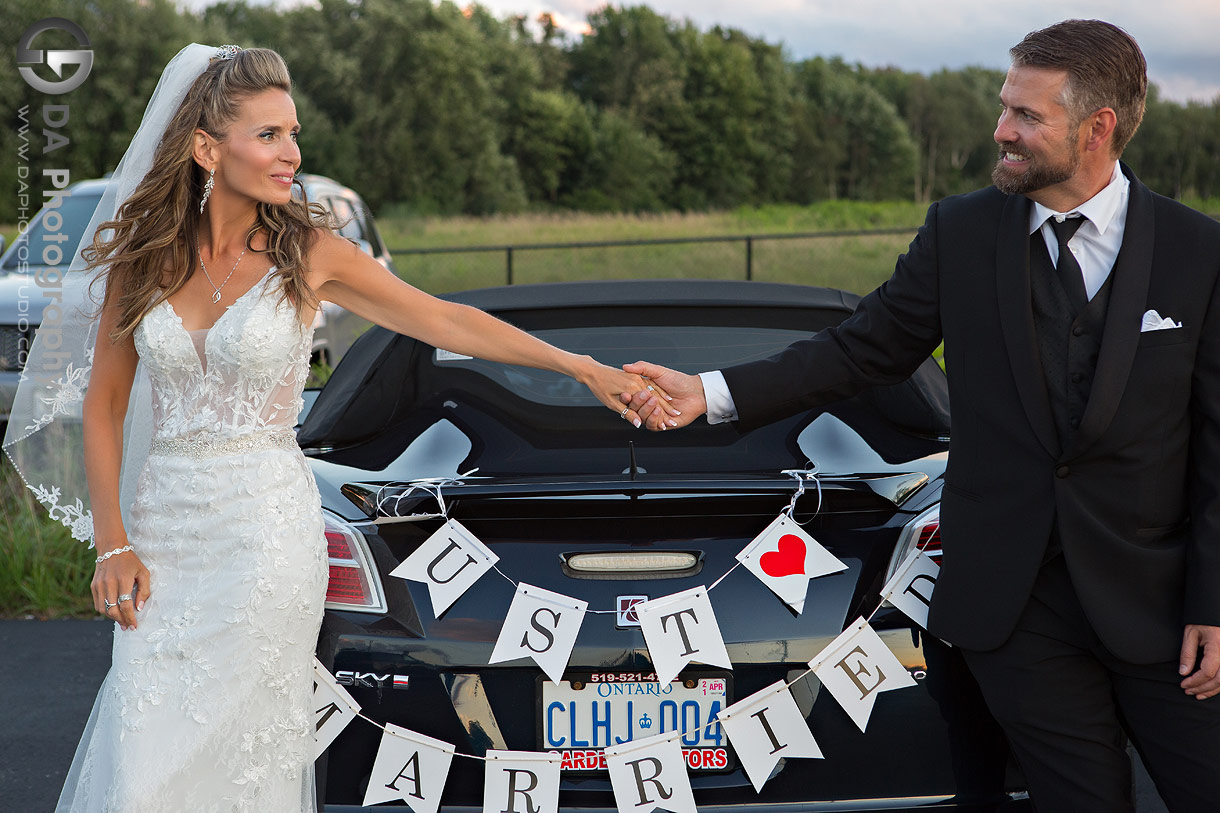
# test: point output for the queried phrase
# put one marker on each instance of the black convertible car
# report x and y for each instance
(557, 477)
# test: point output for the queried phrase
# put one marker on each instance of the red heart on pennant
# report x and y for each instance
(789, 559)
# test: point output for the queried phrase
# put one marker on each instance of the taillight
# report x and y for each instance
(354, 583)
(922, 533)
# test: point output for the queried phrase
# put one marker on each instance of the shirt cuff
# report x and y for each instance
(720, 406)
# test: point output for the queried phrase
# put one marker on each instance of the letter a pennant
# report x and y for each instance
(910, 589)
(858, 666)
(541, 625)
(334, 708)
(521, 782)
(409, 767)
(785, 558)
(449, 562)
(680, 628)
(766, 726)
(649, 774)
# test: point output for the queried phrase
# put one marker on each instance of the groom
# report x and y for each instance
(1080, 315)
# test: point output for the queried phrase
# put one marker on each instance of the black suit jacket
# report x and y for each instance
(1135, 497)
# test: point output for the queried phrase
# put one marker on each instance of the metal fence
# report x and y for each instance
(748, 240)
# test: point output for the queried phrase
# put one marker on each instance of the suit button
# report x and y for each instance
(1062, 471)
(1078, 331)
(1077, 378)
(1075, 425)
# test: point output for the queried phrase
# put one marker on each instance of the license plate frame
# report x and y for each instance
(704, 756)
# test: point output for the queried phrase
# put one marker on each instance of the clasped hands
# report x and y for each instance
(674, 401)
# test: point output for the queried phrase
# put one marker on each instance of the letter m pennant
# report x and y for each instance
(449, 562)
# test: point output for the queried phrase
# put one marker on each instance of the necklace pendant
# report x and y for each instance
(215, 297)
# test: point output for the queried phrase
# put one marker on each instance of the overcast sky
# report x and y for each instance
(1180, 38)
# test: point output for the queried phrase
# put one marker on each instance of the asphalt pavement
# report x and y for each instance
(50, 672)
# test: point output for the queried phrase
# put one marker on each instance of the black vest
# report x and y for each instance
(1068, 342)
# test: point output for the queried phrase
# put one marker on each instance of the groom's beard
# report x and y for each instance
(1038, 173)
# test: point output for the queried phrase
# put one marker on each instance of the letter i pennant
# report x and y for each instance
(785, 558)
(449, 562)
(858, 666)
(521, 782)
(765, 727)
(409, 767)
(541, 625)
(649, 774)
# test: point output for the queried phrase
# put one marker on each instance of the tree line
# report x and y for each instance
(448, 109)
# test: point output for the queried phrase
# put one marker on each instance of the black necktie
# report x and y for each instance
(1068, 269)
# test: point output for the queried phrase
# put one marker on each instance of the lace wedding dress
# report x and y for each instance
(207, 703)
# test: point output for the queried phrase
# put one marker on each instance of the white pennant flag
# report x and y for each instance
(409, 767)
(910, 589)
(541, 625)
(765, 727)
(680, 628)
(521, 782)
(785, 558)
(334, 708)
(649, 774)
(449, 562)
(858, 666)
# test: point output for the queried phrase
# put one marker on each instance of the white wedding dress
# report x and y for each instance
(207, 703)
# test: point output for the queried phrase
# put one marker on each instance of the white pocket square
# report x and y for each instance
(1154, 321)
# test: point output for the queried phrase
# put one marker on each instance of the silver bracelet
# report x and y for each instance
(110, 553)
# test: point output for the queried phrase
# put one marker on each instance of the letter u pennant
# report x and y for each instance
(858, 666)
(541, 625)
(449, 562)
(766, 726)
(409, 767)
(521, 782)
(649, 774)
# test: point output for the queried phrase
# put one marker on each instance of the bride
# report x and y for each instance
(215, 572)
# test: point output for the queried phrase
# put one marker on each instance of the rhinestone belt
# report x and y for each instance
(202, 446)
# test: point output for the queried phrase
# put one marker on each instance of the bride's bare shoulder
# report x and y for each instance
(328, 255)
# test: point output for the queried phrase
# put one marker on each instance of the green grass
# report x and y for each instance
(44, 572)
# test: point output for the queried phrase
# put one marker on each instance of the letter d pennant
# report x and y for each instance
(858, 666)
(680, 628)
(766, 726)
(449, 562)
(541, 625)
(648, 774)
(785, 558)
(521, 782)
(409, 767)
(910, 589)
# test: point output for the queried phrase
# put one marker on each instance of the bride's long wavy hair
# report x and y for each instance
(156, 230)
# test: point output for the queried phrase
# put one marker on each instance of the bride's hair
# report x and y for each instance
(154, 239)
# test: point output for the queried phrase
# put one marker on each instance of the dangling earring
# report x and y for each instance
(207, 189)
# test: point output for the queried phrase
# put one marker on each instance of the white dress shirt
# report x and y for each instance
(1095, 246)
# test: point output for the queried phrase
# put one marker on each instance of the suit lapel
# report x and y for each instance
(1132, 272)
(1017, 319)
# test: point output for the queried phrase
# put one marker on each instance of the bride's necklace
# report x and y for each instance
(216, 296)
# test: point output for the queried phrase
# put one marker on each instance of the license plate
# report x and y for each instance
(588, 712)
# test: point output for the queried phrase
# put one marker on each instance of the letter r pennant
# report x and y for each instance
(449, 562)
(648, 774)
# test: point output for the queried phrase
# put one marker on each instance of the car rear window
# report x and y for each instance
(688, 348)
(75, 209)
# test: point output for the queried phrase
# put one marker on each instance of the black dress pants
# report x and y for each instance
(1068, 706)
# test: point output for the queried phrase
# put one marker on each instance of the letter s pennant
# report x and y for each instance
(680, 628)
(449, 562)
(858, 666)
(521, 782)
(649, 774)
(541, 625)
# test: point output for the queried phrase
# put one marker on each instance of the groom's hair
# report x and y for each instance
(1105, 68)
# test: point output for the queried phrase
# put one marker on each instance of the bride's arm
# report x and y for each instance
(352, 279)
(103, 411)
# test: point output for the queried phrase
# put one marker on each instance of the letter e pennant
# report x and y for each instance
(910, 589)
(785, 558)
(858, 666)
(521, 782)
(648, 774)
(766, 726)
(680, 628)
(410, 767)
(334, 708)
(449, 562)
(541, 625)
